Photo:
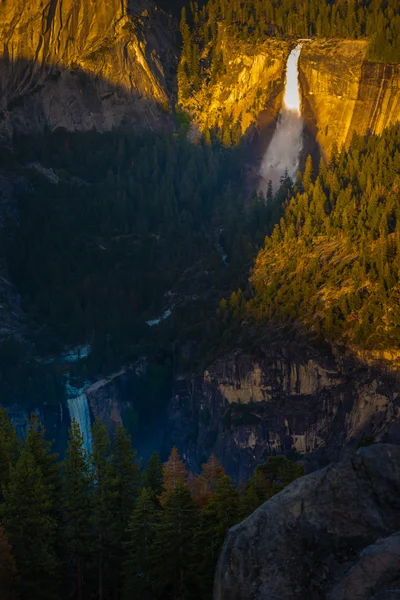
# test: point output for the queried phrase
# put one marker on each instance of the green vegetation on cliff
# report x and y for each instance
(331, 266)
(94, 526)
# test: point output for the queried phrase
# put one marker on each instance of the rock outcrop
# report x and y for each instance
(288, 399)
(331, 534)
(85, 65)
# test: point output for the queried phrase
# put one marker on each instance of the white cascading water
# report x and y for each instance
(79, 410)
(283, 152)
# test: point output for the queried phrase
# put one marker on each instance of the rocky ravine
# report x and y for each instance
(289, 399)
(330, 535)
(85, 65)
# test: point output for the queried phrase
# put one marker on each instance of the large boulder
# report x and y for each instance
(322, 537)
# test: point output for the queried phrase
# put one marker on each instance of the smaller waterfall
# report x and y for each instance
(283, 152)
(79, 410)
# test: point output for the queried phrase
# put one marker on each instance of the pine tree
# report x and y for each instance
(46, 460)
(220, 513)
(174, 543)
(78, 501)
(31, 528)
(104, 517)
(8, 571)
(153, 477)
(126, 488)
(10, 448)
(307, 176)
(205, 484)
(140, 562)
(174, 474)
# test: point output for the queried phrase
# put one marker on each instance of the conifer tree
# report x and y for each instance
(205, 484)
(8, 571)
(174, 543)
(30, 526)
(307, 176)
(174, 474)
(78, 502)
(104, 518)
(140, 564)
(220, 513)
(125, 490)
(46, 460)
(10, 447)
(153, 476)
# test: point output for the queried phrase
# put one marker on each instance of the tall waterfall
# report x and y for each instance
(283, 152)
(79, 410)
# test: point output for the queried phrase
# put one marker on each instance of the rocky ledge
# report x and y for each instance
(332, 534)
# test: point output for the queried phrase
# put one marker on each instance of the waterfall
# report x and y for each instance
(79, 410)
(283, 152)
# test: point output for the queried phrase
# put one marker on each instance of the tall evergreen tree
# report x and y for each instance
(126, 488)
(78, 502)
(104, 504)
(30, 526)
(10, 447)
(140, 564)
(153, 476)
(174, 543)
(220, 513)
(206, 483)
(8, 571)
(174, 474)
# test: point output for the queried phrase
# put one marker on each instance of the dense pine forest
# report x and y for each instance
(135, 225)
(202, 50)
(98, 526)
(330, 269)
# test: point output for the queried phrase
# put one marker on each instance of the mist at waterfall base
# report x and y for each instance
(283, 153)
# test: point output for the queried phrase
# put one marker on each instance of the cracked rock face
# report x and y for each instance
(331, 534)
(85, 65)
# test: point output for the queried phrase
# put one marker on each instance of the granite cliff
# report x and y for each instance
(287, 400)
(342, 91)
(85, 65)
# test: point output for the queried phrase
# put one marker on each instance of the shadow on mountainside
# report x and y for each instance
(35, 97)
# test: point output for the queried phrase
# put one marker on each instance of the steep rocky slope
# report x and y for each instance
(332, 534)
(250, 81)
(85, 65)
(287, 399)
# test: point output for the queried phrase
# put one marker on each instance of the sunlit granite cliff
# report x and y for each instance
(250, 81)
(85, 65)
(344, 93)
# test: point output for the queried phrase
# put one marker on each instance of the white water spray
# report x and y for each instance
(79, 410)
(283, 152)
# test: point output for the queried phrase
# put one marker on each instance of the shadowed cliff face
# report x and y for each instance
(344, 93)
(291, 399)
(84, 65)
